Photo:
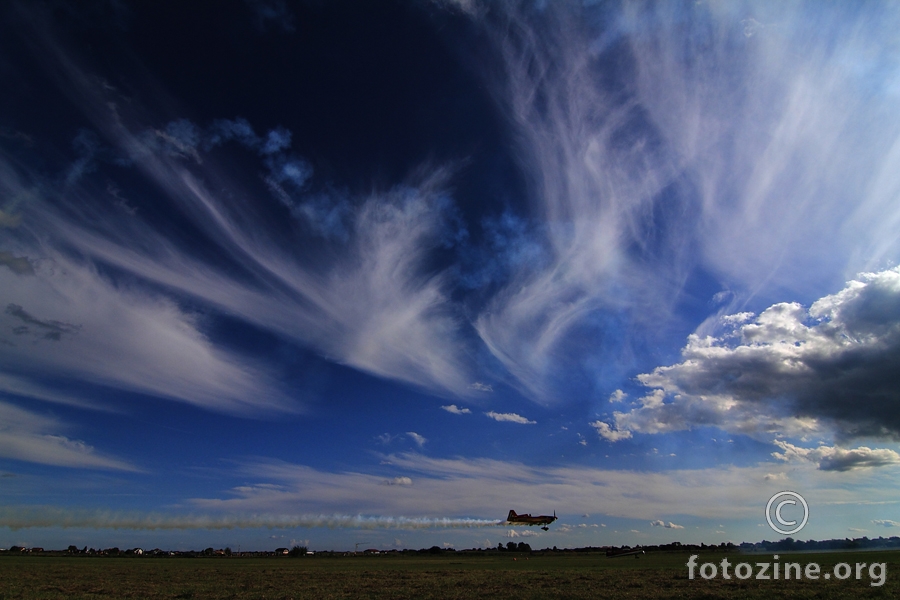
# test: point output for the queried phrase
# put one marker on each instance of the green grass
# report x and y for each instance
(662, 575)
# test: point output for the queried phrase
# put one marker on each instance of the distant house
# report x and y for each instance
(281, 551)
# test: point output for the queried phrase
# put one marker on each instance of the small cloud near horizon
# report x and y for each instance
(886, 523)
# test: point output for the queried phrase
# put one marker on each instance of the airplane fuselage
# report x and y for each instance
(529, 520)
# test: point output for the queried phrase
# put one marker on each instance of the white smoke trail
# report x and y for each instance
(48, 516)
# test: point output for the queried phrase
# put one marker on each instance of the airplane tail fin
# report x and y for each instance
(512, 514)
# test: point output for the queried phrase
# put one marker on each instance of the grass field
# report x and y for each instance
(661, 575)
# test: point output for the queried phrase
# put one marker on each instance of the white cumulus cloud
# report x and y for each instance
(608, 433)
(509, 418)
(886, 523)
(790, 370)
(833, 458)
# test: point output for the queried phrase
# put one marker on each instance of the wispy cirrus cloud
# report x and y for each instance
(574, 190)
(478, 486)
(427, 492)
(30, 437)
(362, 293)
(26, 387)
(641, 164)
(787, 130)
(69, 320)
(417, 438)
(661, 139)
(19, 265)
(482, 387)
(373, 307)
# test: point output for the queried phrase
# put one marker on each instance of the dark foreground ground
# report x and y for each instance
(662, 575)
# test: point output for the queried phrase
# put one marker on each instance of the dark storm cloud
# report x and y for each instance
(832, 368)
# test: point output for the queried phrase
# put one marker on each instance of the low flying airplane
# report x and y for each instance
(544, 520)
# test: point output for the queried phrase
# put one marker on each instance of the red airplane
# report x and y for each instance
(544, 520)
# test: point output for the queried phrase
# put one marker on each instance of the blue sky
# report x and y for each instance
(328, 273)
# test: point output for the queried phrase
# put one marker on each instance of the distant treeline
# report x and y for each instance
(784, 545)
(790, 544)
